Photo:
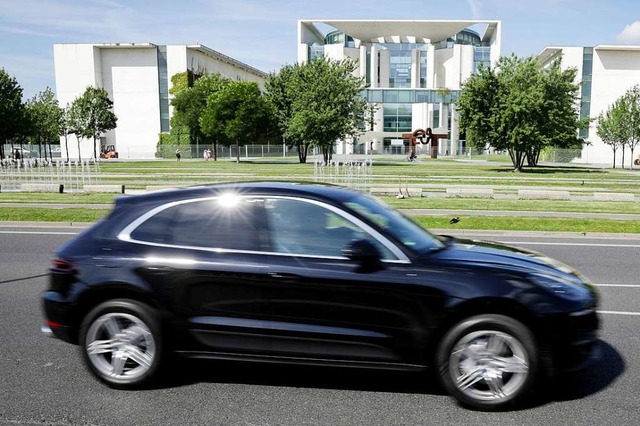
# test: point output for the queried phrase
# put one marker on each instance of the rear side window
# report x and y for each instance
(205, 223)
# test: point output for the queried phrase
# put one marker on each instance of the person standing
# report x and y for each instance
(178, 155)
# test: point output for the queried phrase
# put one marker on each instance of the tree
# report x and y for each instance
(65, 128)
(520, 107)
(13, 117)
(77, 121)
(611, 127)
(95, 108)
(190, 101)
(632, 119)
(45, 115)
(317, 103)
(238, 111)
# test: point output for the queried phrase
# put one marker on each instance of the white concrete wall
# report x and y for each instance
(613, 73)
(443, 68)
(76, 68)
(335, 51)
(131, 78)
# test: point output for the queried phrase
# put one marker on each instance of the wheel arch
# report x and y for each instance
(489, 305)
(93, 296)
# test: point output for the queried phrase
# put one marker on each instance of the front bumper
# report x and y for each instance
(572, 342)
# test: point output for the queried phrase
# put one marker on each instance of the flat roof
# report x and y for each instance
(371, 30)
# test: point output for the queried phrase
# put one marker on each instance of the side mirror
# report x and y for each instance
(363, 252)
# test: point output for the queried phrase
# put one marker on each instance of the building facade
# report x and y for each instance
(413, 69)
(605, 73)
(137, 77)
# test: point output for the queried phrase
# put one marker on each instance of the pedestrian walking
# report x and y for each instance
(178, 155)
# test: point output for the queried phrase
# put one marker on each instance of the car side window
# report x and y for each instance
(304, 228)
(206, 223)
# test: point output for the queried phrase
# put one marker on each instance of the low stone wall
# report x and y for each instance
(613, 196)
(117, 189)
(470, 192)
(535, 194)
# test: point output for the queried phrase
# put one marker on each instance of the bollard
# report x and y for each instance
(122, 192)
(61, 189)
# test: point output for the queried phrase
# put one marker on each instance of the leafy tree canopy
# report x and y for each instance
(190, 101)
(13, 117)
(45, 116)
(520, 107)
(93, 114)
(237, 112)
(317, 103)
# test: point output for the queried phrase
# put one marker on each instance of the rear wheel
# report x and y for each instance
(121, 343)
(488, 362)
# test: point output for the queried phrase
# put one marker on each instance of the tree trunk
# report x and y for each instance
(622, 162)
(66, 146)
(302, 152)
(237, 151)
(215, 150)
(79, 157)
(631, 162)
(95, 156)
(614, 157)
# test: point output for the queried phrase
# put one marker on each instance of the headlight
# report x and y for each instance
(561, 287)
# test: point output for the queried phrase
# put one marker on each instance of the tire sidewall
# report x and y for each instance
(489, 322)
(144, 313)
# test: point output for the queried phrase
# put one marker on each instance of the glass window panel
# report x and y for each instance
(405, 96)
(390, 96)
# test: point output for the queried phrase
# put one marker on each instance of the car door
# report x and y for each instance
(205, 259)
(325, 305)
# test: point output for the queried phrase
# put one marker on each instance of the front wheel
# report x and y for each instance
(121, 343)
(488, 362)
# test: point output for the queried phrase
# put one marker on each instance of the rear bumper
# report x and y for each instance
(57, 319)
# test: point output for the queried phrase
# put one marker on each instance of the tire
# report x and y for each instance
(121, 343)
(488, 362)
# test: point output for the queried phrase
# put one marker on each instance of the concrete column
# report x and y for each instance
(363, 61)
(384, 68)
(415, 69)
(374, 67)
(431, 67)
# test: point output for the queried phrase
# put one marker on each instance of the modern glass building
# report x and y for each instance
(413, 70)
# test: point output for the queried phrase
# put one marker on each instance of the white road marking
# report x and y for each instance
(537, 243)
(618, 285)
(619, 313)
(39, 233)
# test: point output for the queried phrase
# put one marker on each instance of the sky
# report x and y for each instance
(262, 33)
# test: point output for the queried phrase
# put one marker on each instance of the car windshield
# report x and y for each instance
(404, 230)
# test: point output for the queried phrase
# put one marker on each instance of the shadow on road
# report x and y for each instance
(562, 388)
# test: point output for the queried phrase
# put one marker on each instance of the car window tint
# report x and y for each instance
(208, 223)
(299, 227)
(155, 229)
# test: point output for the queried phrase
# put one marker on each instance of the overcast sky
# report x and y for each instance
(262, 33)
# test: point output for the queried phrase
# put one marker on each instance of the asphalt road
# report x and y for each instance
(42, 380)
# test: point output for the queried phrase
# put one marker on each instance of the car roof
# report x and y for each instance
(307, 190)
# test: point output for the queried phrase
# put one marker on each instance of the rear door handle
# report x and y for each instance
(284, 276)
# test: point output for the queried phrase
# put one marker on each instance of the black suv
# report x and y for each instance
(318, 275)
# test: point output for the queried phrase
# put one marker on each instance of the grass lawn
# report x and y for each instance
(430, 174)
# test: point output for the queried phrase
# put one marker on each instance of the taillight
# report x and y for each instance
(61, 265)
(62, 275)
